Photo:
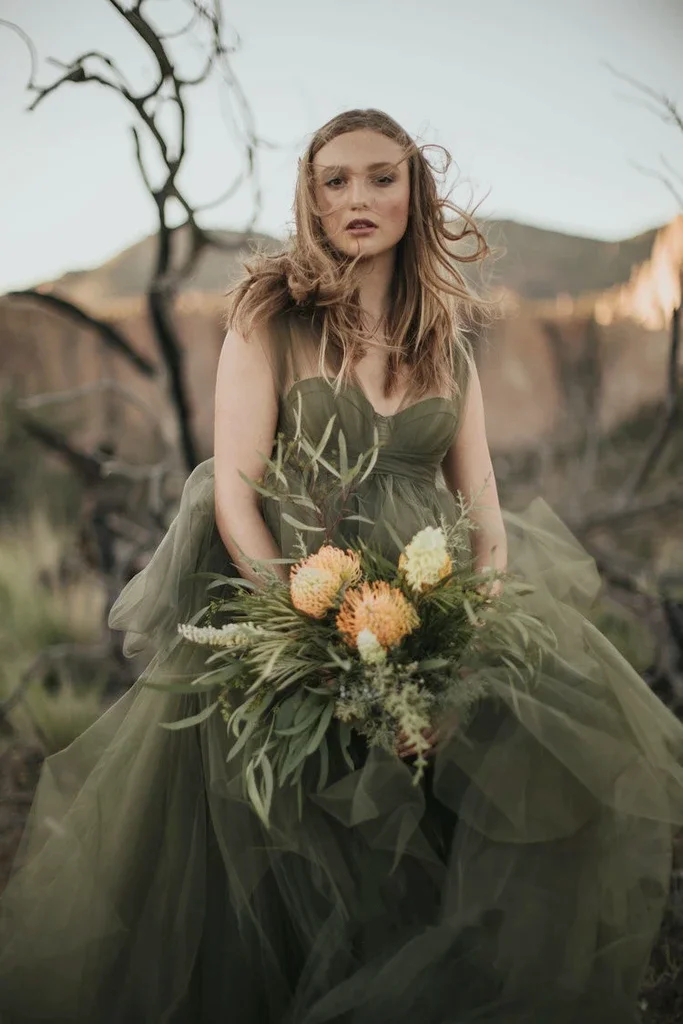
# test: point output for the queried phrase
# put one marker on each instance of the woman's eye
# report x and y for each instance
(385, 179)
(334, 182)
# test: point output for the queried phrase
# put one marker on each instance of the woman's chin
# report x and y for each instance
(366, 248)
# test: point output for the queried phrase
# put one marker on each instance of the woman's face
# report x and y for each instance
(362, 190)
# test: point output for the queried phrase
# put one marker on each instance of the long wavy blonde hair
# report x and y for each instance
(433, 310)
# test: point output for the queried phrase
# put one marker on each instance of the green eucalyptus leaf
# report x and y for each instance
(337, 661)
(254, 794)
(400, 544)
(298, 773)
(286, 709)
(216, 676)
(278, 462)
(232, 667)
(179, 687)
(430, 664)
(238, 582)
(470, 612)
(324, 752)
(345, 736)
(374, 454)
(268, 783)
(187, 723)
(295, 755)
(266, 492)
(303, 500)
(301, 526)
(331, 469)
(326, 436)
(302, 725)
(308, 704)
(343, 454)
(252, 724)
(325, 719)
(513, 666)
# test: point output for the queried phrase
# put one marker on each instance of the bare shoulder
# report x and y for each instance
(246, 360)
(471, 435)
(472, 386)
(246, 405)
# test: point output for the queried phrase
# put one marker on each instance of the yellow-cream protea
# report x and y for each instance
(316, 581)
(425, 560)
(313, 590)
(377, 607)
(345, 564)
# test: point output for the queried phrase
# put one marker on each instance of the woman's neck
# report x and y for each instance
(375, 287)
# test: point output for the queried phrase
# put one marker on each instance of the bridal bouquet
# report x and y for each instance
(353, 640)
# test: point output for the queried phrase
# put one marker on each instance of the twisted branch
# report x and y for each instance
(169, 86)
(111, 336)
(667, 422)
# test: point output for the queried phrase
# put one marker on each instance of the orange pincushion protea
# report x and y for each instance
(313, 590)
(316, 581)
(344, 564)
(379, 607)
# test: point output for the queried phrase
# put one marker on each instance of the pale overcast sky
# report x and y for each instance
(517, 90)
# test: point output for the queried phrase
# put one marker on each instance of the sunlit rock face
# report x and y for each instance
(555, 335)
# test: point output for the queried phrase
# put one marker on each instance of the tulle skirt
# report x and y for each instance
(522, 882)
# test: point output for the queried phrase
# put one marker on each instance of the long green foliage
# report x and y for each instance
(289, 685)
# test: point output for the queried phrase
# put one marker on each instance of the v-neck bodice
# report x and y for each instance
(405, 489)
(414, 438)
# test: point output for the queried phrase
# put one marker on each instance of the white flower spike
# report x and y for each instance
(369, 648)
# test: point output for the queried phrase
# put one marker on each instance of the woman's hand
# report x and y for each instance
(405, 749)
(328, 679)
(490, 589)
(434, 735)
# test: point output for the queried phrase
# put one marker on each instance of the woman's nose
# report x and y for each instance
(358, 194)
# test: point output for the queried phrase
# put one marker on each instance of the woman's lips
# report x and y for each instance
(361, 228)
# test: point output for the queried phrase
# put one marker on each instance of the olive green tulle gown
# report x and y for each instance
(522, 882)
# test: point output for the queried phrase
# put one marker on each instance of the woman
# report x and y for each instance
(525, 880)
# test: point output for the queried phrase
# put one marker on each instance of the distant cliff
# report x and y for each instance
(573, 309)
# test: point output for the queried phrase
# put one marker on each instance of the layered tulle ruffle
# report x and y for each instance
(524, 880)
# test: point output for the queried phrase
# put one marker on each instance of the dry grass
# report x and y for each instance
(47, 604)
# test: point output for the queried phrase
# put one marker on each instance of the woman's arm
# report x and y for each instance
(245, 422)
(467, 468)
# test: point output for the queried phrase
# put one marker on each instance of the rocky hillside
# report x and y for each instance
(541, 264)
(532, 363)
(536, 264)
(126, 275)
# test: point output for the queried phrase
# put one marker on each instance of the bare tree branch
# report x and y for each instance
(667, 421)
(169, 86)
(649, 173)
(104, 385)
(110, 335)
(26, 39)
(664, 106)
(673, 500)
(87, 465)
(228, 194)
(672, 170)
(185, 29)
